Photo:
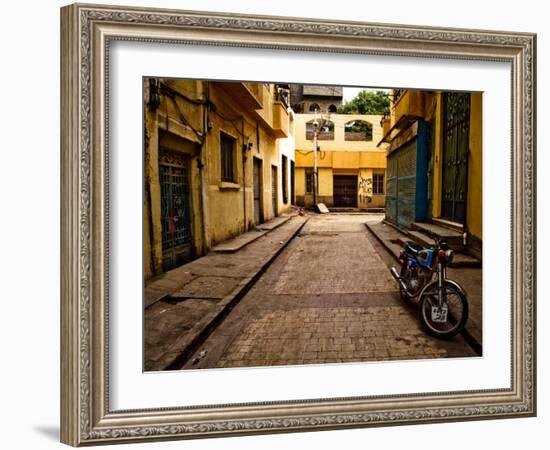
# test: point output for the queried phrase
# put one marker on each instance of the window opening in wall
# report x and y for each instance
(358, 130)
(378, 183)
(227, 148)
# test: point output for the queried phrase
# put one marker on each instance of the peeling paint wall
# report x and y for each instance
(188, 117)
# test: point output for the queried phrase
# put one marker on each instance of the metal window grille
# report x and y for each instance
(175, 215)
(309, 181)
(378, 184)
(227, 146)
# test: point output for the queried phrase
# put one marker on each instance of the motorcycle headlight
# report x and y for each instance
(449, 255)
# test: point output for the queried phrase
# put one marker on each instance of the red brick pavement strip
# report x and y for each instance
(168, 349)
(334, 335)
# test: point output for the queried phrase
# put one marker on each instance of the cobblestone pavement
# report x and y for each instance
(328, 298)
(196, 291)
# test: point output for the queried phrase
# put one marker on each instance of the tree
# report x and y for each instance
(367, 102)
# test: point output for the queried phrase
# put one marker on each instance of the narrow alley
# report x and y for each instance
(327, 298)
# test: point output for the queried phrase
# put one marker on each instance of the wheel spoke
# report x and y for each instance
(457, 311)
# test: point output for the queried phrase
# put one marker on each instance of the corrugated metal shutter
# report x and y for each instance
(401, 185)
(391, 188)
(406, 184)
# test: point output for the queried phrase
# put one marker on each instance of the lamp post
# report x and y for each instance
(315, 131)
(318, 125)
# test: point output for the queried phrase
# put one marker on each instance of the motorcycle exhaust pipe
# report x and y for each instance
(397, 277)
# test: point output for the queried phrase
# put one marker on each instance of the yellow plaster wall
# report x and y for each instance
(376, 160)
(339, 143)
(342, 160)
(345, 160)
(219, 210)
(411, 103)
(300, 181)
(475, 168)
(436, 119)
(228, 203)
(325, 182)
(164, 130)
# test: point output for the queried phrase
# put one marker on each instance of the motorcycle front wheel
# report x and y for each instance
(450, 320)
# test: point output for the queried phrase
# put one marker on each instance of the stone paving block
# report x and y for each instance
(335, 264)
(324, 302)
(208, 287)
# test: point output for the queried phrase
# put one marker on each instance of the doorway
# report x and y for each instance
(175, 209)
(274, 190)
(345, 191)
(455, 156)
(258, 213)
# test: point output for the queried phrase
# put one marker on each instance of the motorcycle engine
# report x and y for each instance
(416, 281)
(413, 283)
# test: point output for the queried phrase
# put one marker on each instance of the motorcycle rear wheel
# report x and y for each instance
(457, 314)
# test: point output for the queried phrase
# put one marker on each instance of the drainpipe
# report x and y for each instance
(244, 148)
(201, 164)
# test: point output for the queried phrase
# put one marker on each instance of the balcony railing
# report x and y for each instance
(282, 95)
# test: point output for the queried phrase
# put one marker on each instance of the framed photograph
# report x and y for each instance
(289, 224)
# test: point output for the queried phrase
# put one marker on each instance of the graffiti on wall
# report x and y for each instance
(365, 189)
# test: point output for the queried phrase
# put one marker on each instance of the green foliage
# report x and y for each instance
(367, 102)
(358, 126)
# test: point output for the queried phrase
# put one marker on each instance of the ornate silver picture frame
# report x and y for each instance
(87, 32)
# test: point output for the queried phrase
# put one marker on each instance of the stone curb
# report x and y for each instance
(261, 230)
(466, 334)
(184, 348)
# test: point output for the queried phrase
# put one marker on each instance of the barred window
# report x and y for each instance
(378, 183)
(309, 181)
(227, 147)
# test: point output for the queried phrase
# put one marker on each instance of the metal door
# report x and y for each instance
(292, 182)
(257, 191)
(345, 190)
(455, 156)
(274, 189)
(175, 210)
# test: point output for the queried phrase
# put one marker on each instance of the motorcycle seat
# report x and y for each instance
(413, 248)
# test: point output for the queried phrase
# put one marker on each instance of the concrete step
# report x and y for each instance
(454, 238)
(242, 240)
(235, 244)
(448, 224)
(464, 260)
(459, 260)
(273, 223)
(420, 238)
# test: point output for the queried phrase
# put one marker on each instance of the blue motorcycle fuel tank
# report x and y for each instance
(425, 257)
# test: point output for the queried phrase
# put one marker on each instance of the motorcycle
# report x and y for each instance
(443, 304)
